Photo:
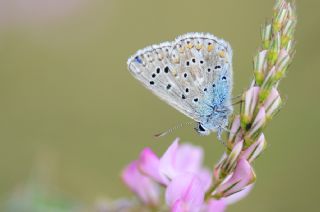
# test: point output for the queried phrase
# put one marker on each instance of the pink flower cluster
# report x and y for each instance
(189, 186)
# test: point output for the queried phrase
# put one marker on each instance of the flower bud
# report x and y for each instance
(230, 163)
(269, 80)
(289, 46)
(288, 31)
(242, 176)
(274, 49)
(250, 103)
(266, 36)
(282, 64)
(259, 66)
(234, 131)
(217, 172)
(258, 123)
(272, 103)
(254, 150)
(280, 18)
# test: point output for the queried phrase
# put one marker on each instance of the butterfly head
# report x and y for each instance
(217, 121)
(201, 130)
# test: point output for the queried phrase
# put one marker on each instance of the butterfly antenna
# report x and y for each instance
(237, 97)
(172, 129)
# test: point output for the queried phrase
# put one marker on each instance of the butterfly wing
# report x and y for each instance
(183, 72)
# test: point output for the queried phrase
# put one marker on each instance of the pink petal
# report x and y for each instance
(206, 178)
(254, 150)
(233, 156)
(234, 128)
(181, 206)
(221, 204)
(180, 159)
(273, 95)
(238, 196)
(272, 102)
(167, 161)
(189, 158)
(216, 206)
(258, 122)
(242, 176)
(217, 168)
(260, 61)
(147, 190)
(251, 99)
(269, 76)
(188, 190)
(149, 164)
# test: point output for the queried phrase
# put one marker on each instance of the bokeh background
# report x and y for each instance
(71, 115)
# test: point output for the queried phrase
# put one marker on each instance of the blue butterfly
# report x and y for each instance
(192, 74)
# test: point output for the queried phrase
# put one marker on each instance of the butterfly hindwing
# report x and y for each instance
(185, 73)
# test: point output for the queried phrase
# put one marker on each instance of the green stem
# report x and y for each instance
(211, 189)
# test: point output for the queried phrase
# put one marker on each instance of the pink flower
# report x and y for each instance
(145, 188)
(250, 102)
(185, 193)
(235, 133)
(283, 61)
(255, 149)
(177, 160)
(260, 61)
(242, 176)
(216, 206)
(258, 122)
(272, 103)
(269, 79)
(181, 171)
(149, 164)
(186, 181)
(220, 205)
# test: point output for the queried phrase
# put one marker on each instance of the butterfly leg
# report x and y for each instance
(237, 102)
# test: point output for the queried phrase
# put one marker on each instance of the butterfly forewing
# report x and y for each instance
(185, 72)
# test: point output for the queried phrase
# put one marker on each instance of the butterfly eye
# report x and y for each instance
(201, 128)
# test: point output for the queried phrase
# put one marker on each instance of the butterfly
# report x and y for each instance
(193, 74)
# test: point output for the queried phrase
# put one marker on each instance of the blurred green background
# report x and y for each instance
(72, 116)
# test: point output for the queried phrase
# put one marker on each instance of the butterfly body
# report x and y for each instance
(193, 74)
